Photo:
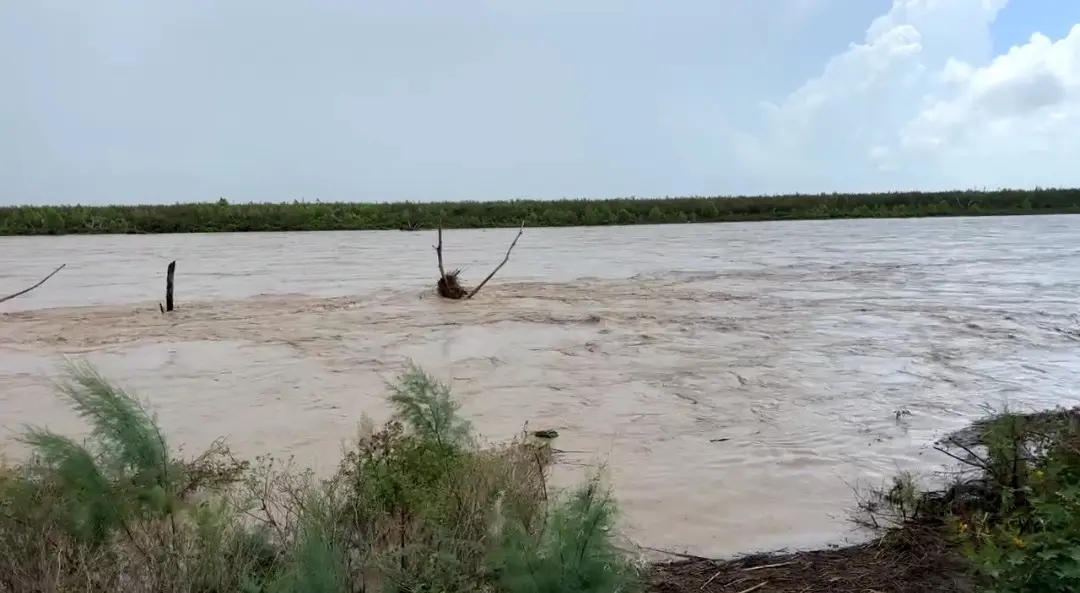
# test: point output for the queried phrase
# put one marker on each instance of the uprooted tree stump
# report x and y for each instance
(449, 286)
(26, 290)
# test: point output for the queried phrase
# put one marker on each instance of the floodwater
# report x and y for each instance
(736, 380)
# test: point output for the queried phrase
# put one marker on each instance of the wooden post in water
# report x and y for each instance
(169, 286)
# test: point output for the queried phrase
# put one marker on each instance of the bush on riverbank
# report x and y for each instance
(1013, 510)
(1008, 522)
(1027, 539)
(223, 216)
(417, 505)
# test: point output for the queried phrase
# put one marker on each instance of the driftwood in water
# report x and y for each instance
(26, 290)
(169, 273)
(449, 286)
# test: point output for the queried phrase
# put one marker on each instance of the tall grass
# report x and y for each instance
(416, 505)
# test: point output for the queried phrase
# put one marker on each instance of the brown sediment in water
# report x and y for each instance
(755, 369)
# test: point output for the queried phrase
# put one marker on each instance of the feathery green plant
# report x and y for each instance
(426, 406)
(85, 501)
(573, 554)
(123, 469)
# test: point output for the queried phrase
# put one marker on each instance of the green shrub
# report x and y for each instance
(415, 506)
(122, 475)
(1032, 543)
(573, 554)
(116, 510)
(428, 495)
(1012, 513)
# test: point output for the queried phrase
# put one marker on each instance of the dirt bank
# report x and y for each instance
(925, 566)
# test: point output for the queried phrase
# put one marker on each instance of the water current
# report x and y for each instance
(735, 380)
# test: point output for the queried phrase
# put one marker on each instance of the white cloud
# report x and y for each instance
(171, 101)
(920, 103)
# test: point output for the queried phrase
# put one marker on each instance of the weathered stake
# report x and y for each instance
(170, 272)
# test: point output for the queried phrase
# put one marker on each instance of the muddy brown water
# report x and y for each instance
(736, 380)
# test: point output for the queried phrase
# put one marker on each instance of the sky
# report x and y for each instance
(158, 101)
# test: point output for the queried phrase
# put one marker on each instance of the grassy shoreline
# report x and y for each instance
(419, 505)
(222, 216)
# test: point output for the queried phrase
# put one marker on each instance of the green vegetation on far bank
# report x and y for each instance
(222, 216)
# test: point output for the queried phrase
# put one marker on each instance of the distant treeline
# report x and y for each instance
(222, 216)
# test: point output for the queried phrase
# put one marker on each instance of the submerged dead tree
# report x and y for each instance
(449, 287)
(26, 290)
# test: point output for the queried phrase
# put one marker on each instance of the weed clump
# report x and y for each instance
(416, 505)
(1012, 511)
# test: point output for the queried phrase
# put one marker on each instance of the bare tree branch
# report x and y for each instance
(448, 286)
(501, 264)
(42, 281)
(438, 253)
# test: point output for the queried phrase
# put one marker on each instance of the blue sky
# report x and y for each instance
(139, 101)
(1019, 19)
